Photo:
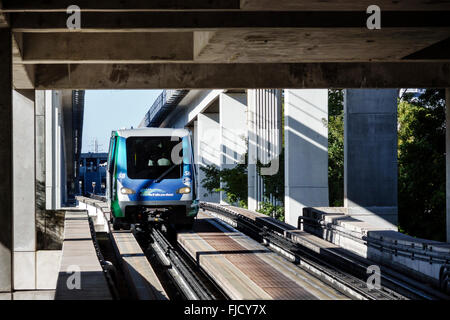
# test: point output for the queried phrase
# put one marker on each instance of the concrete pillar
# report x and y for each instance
(23, 191)
(6, 193)
(54, 152)
(447, 161)
(207, 149)
(306, 151)
(39, 124)
(370, 155)
(233, 131)
(264, 138)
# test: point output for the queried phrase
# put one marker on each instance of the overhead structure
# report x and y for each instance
(163, 105)
(227, 44)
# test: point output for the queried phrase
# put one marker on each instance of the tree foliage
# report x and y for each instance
(336, 147)
(274, 211)
(421, 165)
(274, 184)
(231, 181)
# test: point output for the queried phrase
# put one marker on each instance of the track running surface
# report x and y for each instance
(246, 270)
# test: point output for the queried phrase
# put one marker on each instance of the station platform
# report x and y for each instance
(245, 269)
(81, 276)
(141, 279)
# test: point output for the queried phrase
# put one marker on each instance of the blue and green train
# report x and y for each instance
(151, 177)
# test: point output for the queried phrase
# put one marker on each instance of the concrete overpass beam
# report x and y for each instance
(120, 5)
(252, 75)
(306, 151)
(370, 155)
(107, 47)
(447, 160)
(340, 5)
(6, 191)
(233, 132)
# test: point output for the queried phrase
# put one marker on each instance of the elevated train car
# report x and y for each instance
(151, 177)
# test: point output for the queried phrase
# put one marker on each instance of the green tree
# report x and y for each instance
(274, 184)
(273, 187)
(336, 147)
(234, 183)
(421, 165)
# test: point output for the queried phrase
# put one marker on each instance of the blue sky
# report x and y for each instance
(107, 110)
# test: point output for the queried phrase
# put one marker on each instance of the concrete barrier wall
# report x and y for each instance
(140, 276)
(420, 258)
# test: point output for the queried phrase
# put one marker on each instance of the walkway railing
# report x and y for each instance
(162, 105)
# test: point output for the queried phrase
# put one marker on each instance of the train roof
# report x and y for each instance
(151, 132)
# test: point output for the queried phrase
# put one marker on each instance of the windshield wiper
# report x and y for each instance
(165, 173)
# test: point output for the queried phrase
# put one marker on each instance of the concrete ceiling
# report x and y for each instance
(188, 44)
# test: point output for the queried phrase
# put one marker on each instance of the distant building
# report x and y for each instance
(92, 173)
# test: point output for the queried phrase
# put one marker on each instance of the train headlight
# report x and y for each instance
(184, 190)
(127, 191)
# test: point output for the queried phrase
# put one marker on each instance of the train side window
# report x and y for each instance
(111, 154)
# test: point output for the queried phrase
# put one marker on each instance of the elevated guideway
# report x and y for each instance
(337, 264)
(141, 279)
(248, 256)
(245, 269)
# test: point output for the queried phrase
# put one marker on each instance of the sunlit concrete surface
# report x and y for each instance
(245, 269)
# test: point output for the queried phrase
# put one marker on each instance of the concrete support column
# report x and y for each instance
(370, 155)
(306, 151)
(6, 192)
(39, 123)
(54, 153)
(264, 138)
(207, 149)
(447, 160)
(24, 191)
(233, 132)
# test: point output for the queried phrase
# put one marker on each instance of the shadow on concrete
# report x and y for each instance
(143, 290)
(92, 286)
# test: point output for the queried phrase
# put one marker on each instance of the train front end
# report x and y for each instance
(152, 178)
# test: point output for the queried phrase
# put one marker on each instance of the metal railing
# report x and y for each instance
(165, 101)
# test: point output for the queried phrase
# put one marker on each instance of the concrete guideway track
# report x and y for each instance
(141, 279)
(321, 257)
(245, 269)
(270, 235)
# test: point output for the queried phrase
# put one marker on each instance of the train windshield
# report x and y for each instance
(154, 158)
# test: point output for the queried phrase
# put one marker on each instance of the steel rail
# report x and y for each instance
(183, 276)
